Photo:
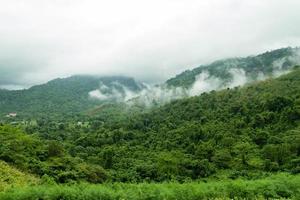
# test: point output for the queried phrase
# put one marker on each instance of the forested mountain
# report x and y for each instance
(76, 95)
(65, 97)
(242, 132)
(253, 68)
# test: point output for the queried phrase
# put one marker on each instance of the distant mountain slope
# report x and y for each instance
(222, 74)
(77, 94)
(271, 95)
(64, 96)
(252, 67)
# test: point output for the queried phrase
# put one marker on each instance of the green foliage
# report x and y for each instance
(12, 177)
(281, 186)
(59, 98)
(42, 157)
(242, 132)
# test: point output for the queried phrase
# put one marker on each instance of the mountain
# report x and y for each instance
(247, 132)
(90, 94)
(272, 63)
(222, 74)
(242, 130)
(66, 96)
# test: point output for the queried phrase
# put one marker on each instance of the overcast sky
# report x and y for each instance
(149, 40)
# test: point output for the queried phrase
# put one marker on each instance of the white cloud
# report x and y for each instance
(97, 94)
(150, 40)
(160, 94)
(238, 77)
(204, 83)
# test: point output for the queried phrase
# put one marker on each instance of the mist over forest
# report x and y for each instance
(160, 100)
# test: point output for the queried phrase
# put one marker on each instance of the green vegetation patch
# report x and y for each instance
(281, 186)
(12, 177)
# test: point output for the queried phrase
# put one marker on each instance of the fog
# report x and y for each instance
(150, 95)
(232, 75)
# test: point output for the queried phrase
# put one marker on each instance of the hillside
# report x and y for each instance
(12, 177)
(43, 157)
(253, 128)
(253, 68)
(248, 132)
(65, 97)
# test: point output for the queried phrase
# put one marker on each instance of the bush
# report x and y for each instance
(275, 187)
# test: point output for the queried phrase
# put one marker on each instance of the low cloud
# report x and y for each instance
(204, 82)
(160, 94)
(115, 91)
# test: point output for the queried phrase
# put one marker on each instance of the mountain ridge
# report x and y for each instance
(79, 93)
(261, 64)
(62, 95)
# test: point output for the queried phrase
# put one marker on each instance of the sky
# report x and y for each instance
(148, 40)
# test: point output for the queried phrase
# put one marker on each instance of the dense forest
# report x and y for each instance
(248, 131)
(62, 97)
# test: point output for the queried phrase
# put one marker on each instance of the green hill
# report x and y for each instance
(253, 128)
(68, 97)
(266, 64)
(245, 132)
(64, 97)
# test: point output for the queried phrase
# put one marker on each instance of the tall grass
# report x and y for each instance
(280, 186)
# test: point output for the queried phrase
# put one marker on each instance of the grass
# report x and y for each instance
(281, 186)
(12, 177)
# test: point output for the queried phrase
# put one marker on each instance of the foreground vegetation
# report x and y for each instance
(12, 177)
(281, 186)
